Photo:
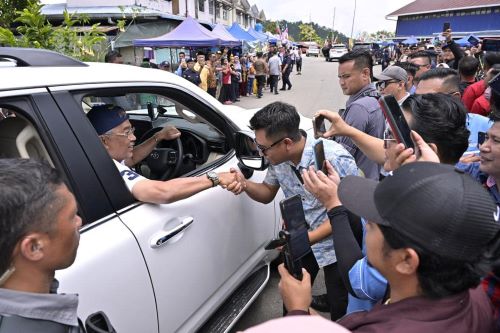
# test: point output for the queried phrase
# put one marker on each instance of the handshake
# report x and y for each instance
(233, 181)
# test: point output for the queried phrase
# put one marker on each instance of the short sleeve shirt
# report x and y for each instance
(130, 177)
(275, 65)
(283, 175)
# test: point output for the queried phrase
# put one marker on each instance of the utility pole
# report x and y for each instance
(333, 25)
(353, 18)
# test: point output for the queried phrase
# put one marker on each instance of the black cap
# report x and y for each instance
(438, 207)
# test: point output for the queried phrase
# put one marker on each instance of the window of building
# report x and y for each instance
(224, 13)
(201, 5)
(217, 11)
(211, 7)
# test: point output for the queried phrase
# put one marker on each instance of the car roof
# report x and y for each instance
(48, 76)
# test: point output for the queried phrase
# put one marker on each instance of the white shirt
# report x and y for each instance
(130, 177)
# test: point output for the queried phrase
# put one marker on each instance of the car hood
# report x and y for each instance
(241, 117)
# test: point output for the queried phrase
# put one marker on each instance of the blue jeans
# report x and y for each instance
(250, 85)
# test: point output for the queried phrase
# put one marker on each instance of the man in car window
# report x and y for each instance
(117, 135)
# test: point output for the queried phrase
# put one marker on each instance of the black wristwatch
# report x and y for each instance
(214, 178)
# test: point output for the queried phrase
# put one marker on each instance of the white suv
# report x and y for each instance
(193, 265)
(337, 51)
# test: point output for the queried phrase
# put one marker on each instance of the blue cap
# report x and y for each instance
(106, 117)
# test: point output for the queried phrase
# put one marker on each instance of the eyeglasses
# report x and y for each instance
(126, 134)
(262, 149)
(382, 84)
(389, 139)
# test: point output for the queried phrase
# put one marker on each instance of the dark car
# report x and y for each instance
(374, 50)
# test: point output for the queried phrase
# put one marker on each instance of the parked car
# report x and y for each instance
(312, 51)
(190, 266)
(374, 50)
(336, 51)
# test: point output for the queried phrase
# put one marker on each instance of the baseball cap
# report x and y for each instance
(392, 73)
(106, 117)
(188, 59)
(436, 206)
(165, 64)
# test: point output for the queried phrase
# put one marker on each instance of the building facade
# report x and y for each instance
(425, 19)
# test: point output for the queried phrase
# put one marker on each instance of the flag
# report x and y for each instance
(278, 30)
(285, 34)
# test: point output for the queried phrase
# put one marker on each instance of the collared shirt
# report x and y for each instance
(487, 181)
(282, 175)
(274, 65)
(363, 112)
(59, 308)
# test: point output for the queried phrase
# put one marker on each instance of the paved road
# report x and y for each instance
(317, 88)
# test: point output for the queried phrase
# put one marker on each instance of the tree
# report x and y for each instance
(8, 10)
(35, 31)
(307, 33)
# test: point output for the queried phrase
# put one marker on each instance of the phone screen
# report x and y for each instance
(319, 126)
(397, 122)
(446, 26)
(319, 155)
(293, 213)
(494, 83)
(473, 41)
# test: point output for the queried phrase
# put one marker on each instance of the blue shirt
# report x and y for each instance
(473, 170)
(282, 175)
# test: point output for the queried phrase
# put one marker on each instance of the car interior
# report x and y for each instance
(199, 145)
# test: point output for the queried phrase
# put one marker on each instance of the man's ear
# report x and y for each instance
(32, 247)
(407, 261)
(366, 72)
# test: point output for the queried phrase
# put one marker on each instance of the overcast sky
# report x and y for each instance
(370, 14)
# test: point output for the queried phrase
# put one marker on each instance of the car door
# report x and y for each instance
(109, 273)
(197, 250)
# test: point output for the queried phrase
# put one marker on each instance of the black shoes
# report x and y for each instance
(289, 87)
(320, 303)
(282, 89)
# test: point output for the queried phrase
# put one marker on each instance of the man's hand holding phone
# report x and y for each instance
(338, 126)
(296, 294)
(323, 186)
(399, 156)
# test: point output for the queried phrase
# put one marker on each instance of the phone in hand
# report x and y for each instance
(446, 26)
(397, 122)
(293, 214)
(319, 126)
(473, 40)
(293, 263)
(319, 156)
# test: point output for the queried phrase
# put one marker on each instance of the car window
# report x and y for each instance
(149, 112)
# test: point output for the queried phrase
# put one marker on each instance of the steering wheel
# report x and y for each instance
(165, 160)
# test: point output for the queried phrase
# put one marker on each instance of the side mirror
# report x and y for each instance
(247, 153)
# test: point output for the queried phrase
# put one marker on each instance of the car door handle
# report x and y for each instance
(162, 238)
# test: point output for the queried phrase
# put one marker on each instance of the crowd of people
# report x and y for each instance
(227, 76)
(408, 238)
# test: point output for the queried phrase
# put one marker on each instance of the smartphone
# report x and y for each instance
(446, 26)
(494, 83)
(492, 45)
(396, 120)
(481, 137)
(473, 40)
(319, 156)
(319, 126)
(293, 263)
(292, 213)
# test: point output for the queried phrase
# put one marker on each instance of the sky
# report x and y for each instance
(370, 14)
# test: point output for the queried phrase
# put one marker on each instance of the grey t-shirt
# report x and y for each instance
(274, 65)
(363, 112)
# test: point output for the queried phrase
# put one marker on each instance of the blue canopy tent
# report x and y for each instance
(240, 34)
(410, 41)
(187, 34)
(387, 43)
(260, 36)
(221, 31)
(464, 41)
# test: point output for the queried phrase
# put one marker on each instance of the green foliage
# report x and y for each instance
(8, 11)
(294, 31)
(35, 31)
(307, 33)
